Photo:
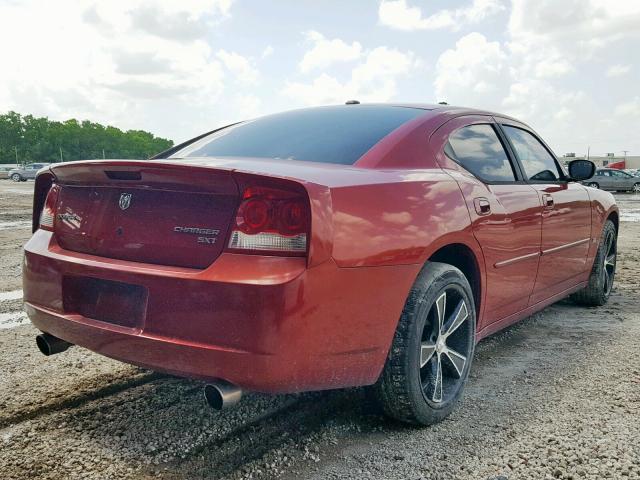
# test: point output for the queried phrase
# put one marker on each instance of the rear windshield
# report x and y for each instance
(340, 134)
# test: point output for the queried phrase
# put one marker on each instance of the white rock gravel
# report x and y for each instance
(557, 396)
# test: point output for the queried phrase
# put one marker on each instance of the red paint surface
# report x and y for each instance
(280, 324)
(621, 165)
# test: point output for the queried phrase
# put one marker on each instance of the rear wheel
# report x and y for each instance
(430, 357)
(603, 272)
(593, 185)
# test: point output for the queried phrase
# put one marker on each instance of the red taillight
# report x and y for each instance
(271, 220)
(48, 214)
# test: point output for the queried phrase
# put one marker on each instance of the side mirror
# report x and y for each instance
(581, 169)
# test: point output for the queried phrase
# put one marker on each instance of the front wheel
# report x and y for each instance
(593, 185)
(16, 177)
(636, 187)
(430, 357)
(598, 289)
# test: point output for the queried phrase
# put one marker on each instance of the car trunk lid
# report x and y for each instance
(145, 211)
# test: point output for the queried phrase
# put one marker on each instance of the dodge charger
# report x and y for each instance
(331, 247)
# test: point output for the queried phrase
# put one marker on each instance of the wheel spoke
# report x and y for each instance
(441, 303)
(610, 260)
(437, 386)
(457, 360)
(460, 315)
(426, 352)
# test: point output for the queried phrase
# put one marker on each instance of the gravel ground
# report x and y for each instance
(556, 396)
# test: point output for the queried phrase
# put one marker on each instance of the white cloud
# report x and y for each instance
(267, 52)
(248, 106)
(239, 66)
(112, 62)
(373, 79)
(618, 70)
(397, 14)
(322, 90)
(523, 75)
(629, 109)
(475, 67)
(551, 67)
(326, 52)
(579, 25)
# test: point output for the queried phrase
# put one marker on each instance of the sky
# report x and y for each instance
(568, 68)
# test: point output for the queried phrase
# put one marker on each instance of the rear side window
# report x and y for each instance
(538, 163)
(620, 174)
(478, 149)
(340, 134)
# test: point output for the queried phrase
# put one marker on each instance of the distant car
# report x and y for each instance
(612, 179)
(4, 171)
(22, 174)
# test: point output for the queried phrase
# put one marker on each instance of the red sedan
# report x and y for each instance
(315, 249)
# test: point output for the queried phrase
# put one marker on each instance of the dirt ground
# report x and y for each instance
(556, 396)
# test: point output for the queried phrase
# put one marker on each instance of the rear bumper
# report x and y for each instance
(263, 323)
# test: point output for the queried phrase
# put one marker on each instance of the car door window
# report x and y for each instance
(478, 149)
(620, 175)
(538, 163)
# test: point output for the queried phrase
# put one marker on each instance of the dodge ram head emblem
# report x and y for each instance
(125, 201)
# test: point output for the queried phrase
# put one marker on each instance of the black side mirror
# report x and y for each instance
(581, 169)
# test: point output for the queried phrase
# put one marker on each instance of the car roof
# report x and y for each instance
(441, 109)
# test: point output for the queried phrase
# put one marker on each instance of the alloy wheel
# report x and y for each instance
(445, 347)
(609, 270)
(636, 187)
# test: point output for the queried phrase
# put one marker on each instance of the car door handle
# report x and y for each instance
(547, 200)
(483, 207)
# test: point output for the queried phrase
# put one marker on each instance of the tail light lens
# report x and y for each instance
(271, 220)
(48, 214)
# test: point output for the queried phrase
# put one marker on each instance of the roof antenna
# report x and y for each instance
(352, 102)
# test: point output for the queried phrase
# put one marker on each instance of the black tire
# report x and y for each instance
(407, 387)
(593, 185)
(603, 272)
(16, 177)
(636, 187)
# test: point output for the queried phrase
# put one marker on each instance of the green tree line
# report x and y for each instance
(42, 140)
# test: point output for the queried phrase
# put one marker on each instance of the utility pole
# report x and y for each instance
(103, 153)
(16, 149)
(61, 159)
(588, 151)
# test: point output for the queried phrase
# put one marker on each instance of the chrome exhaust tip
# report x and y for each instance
(50, 345)
(222, 394)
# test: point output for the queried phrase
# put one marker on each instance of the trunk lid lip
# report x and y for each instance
(304, 172)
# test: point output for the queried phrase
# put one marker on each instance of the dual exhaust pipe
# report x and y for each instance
(222, 394)
(50, 345)
(219, 394)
